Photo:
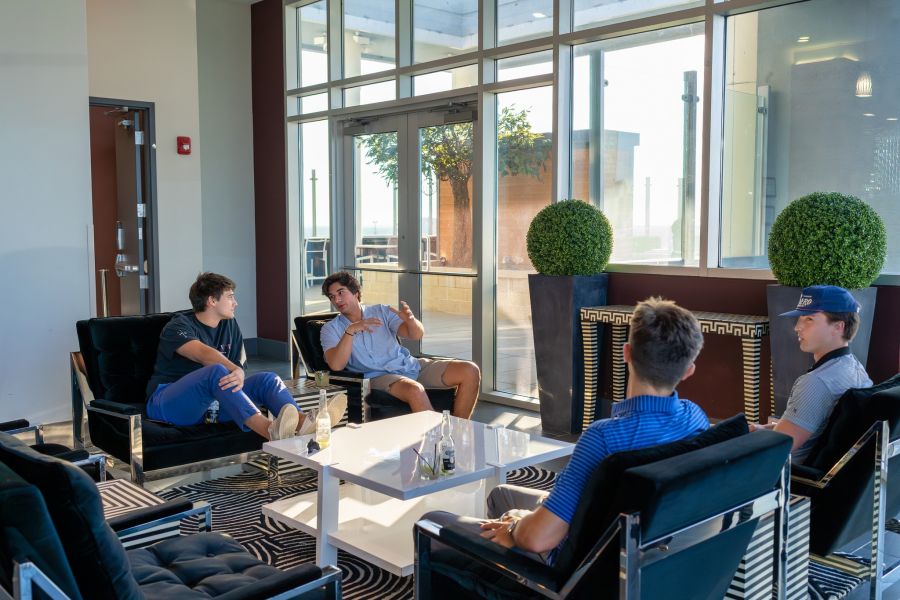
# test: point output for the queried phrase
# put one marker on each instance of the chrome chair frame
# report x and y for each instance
(27, 575)
(635, 553)
(885, 449)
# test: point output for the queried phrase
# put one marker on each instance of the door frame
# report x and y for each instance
(151, 219)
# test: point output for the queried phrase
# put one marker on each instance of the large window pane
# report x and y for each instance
(524, 187)
(519, 21)
(637, 121)
(313, 44)
(375, 197)
(369, 33)
(316, 241)
(442, 29)
(591, 13)
(810, 105)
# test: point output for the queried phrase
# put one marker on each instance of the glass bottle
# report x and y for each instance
(446, 447)
(323, 422)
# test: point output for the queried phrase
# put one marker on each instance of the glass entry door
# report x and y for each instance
(410, 235)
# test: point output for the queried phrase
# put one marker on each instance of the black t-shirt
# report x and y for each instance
(184, 327)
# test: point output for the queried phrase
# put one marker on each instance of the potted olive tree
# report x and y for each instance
(825, 238)
(569, 243)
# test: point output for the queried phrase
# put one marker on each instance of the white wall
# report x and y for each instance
(226, 131)
(45, 203)
(145, 50)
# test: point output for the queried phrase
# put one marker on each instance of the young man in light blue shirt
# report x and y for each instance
(364, 339)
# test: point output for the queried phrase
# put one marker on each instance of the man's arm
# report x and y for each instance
(540, 531)
(799, 434)
(411, 328)
(199, 352)
(338, 355)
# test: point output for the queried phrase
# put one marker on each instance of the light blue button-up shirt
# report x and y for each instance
(374, 353)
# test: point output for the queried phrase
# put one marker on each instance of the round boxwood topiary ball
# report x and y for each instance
(569, 237)
(828, 239)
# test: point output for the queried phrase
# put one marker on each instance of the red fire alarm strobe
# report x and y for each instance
(184, 144)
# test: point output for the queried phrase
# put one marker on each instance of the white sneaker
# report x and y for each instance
(285, 423)
(336, 405)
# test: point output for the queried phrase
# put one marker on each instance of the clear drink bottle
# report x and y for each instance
(446, 447)
(323, 422)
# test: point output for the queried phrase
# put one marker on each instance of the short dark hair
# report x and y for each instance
(849, 319)
(208, 285)
(665, 339)
(345, 279)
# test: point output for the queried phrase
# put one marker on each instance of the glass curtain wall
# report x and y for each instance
(691, 129)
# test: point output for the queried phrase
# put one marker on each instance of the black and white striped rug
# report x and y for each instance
(237, 502)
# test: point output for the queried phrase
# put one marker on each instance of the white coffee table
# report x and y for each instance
(372, 514)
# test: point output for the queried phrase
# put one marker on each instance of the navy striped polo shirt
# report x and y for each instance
(637, 422)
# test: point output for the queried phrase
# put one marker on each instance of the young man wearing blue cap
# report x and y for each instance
(827, 319)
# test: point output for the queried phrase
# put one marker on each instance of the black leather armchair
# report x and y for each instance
(109, 377)
(378, 404)
(670, 521)
(55, 538)
(844, 477)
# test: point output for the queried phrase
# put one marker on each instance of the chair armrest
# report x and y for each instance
(114, 407)
(298, 580)
(9, 426)
(504, 561)
(149, 517)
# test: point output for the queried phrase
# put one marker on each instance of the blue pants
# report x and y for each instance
(185, 402)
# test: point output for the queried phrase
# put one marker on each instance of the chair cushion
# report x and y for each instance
(209, 564)
(596, 509)
(168, 445)
(28, 534)
(94, 553)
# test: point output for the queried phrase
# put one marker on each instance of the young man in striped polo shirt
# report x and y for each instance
(663, 344)
(827, 320)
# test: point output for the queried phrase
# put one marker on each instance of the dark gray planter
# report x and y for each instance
(556, 303)
(788, 362)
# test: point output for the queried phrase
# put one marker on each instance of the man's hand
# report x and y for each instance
(497, 532)
(368, 325)
(404, 312)
(234, 380)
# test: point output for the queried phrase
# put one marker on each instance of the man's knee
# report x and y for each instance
(471, 372)
(216, 371)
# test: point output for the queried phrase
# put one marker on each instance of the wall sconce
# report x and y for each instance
(864, 85)
(362, 40)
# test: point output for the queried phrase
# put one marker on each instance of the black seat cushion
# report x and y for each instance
(842, 511)
(209, 564)
(27, 534)
(94, 553)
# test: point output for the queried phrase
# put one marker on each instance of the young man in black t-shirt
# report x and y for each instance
(199, 363)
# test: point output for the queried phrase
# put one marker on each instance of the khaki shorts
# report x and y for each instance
(431, 375)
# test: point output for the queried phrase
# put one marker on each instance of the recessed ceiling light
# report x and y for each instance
(803, 39)
(538, 15)
(891, 119)
(868, 114)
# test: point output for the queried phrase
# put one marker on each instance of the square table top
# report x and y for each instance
(379, 455)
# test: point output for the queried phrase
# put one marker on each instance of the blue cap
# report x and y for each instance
(823, 298)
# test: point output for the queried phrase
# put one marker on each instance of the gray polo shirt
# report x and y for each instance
(377, 352)
(815, 394)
